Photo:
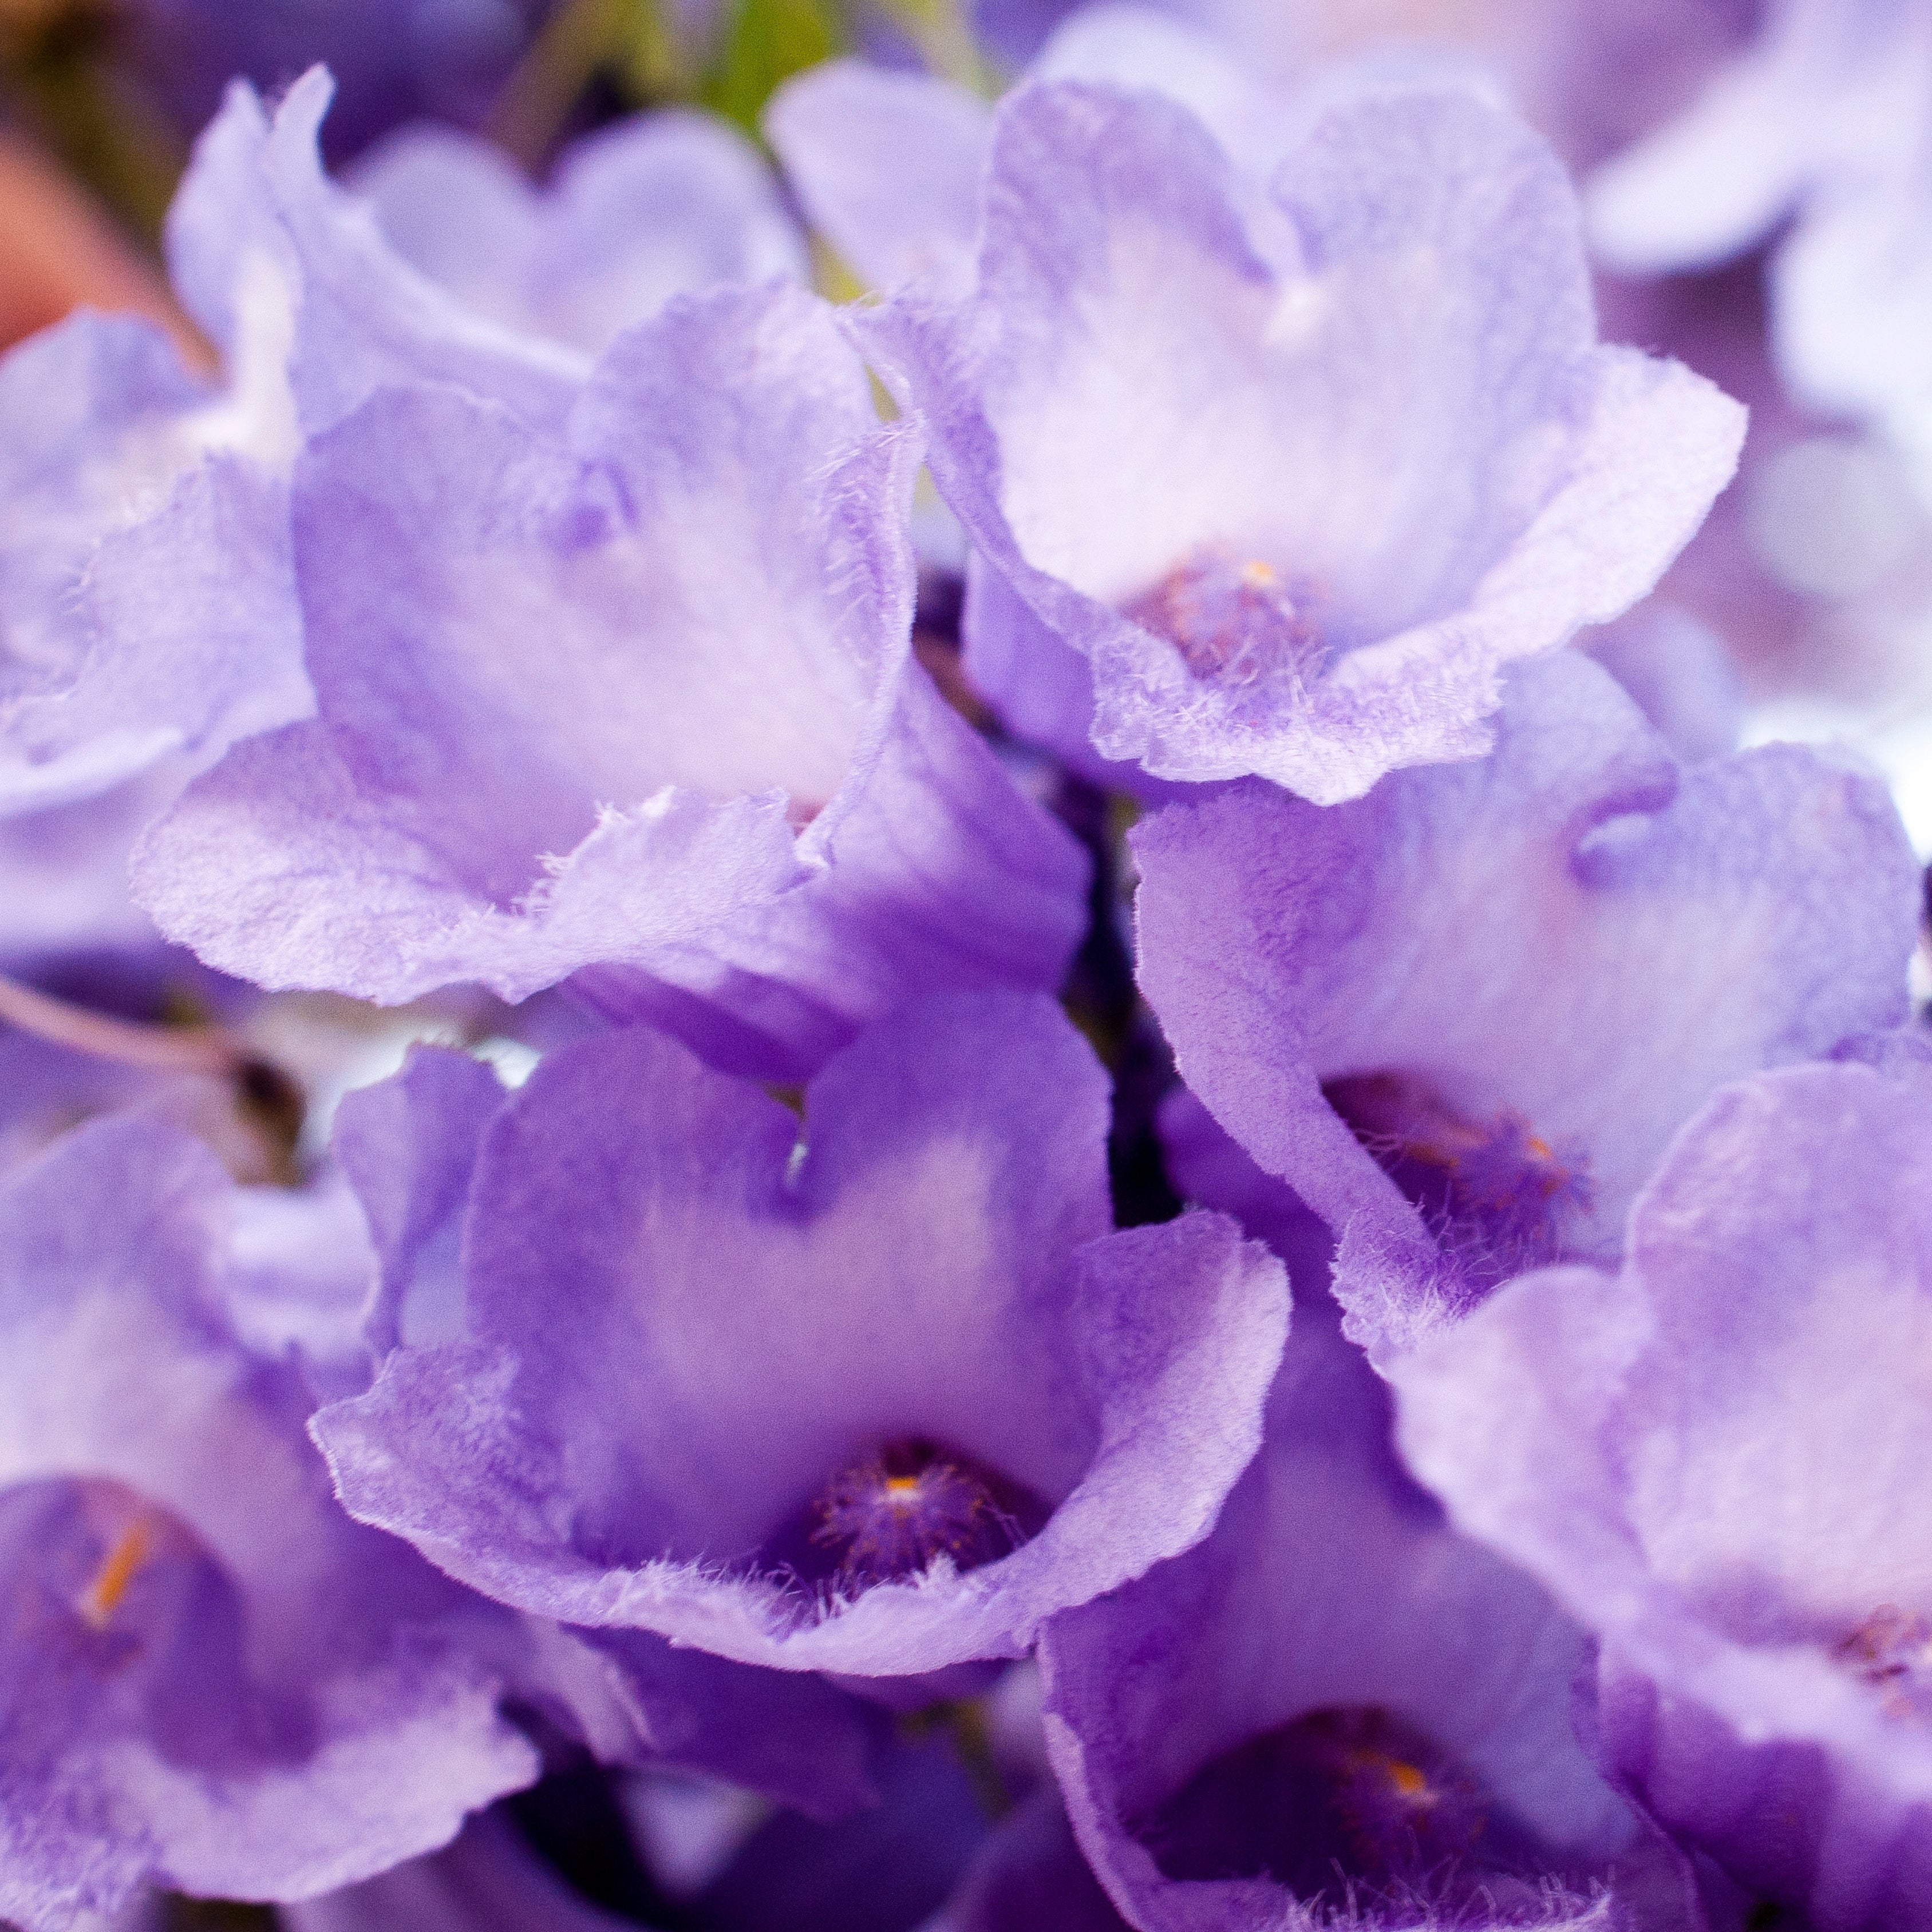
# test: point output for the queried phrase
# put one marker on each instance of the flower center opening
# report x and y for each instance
(1235, 623)
(1344, 1802)
(1891, 1651)
(115, 1619)
(1499, 1197)
(104, 1567)
(103, 1585)
(895, 1514)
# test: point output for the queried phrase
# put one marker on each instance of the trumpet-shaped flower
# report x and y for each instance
(1463, 1017)
(635, 696)
(1337, 1711)
(213, 1678)
(1711, 1459)
(1297, 503)
(875, 1395)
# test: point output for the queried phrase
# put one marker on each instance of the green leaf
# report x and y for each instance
(766, 42)
(652, 60)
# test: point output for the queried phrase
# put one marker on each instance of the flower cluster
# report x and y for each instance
(928, 1028)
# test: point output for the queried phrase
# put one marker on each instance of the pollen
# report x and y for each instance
(896, 1514)
(1891, 1652)
(1407, 1782)
(122, 1563)
(1499, 1196)
(1351, 1793)
(1235, 624)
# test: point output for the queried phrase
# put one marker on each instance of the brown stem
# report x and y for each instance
(197, 1049)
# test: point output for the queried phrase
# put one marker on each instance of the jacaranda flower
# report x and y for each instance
(212, 1677)
(662, 205)
(1335, 1710)
(1463, 1017)
(1711, 1458)
(876, 1394)
(1296, 519)
(636, 695)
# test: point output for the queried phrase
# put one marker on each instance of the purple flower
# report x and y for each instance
(1463, 1017)
(1296, 518)
(914, 220)
(876, 1400)
(636, 695)
(126, 474)
(213, 1679)
(257, 218)
(1821, 122)
(409, 1147)
(114, 454)
(1337, 1708)
(1030, 1876)
(1713, 1460)
(1809, 567)
(661, 205)
(124, 470)
(216, 1680)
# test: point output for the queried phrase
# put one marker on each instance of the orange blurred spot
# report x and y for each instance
(103, 1596)
(58, 252)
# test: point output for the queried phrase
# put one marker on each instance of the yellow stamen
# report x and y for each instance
(1257, 575)
(1409, 1782)
(103, 1596)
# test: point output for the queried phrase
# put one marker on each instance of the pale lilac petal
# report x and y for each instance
(1438, 473)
